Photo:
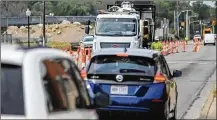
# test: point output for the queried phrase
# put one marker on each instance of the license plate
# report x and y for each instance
(123, 90)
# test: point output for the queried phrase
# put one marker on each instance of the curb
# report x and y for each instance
(207, 105)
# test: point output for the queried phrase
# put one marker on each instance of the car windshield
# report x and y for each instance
(113, 64)
(116, 27)
(12, 99)
(88, 39)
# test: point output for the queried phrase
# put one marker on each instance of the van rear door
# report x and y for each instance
(209, 38)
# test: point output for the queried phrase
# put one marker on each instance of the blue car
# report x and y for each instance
(138, 82)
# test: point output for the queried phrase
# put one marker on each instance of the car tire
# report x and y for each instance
(214, 44)
(174, 114)
(204, 44)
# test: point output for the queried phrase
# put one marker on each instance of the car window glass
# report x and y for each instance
(12, 96)
(81, 84)
(113, 64)
(88, 39)
(60, 88)
(163, 67)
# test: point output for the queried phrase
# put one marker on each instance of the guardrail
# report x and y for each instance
(18, 21)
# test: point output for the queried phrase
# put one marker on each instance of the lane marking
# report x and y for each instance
(190, 62)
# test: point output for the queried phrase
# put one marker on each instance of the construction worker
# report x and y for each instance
(186, 40)
(145, 41)
(156, 45)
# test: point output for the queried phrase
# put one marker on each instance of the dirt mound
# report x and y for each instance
(65, 32)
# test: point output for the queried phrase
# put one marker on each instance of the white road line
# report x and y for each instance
(190, 62)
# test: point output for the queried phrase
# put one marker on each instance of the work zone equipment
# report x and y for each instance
(173, 46)
(81, 57)
(196, 45)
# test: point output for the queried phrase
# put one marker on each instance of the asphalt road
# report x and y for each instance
(197, 68)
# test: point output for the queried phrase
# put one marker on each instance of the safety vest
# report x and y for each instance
(156, 46)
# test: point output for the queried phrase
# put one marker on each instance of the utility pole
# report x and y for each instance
(44, 23)
(177, 17)
(175, 22)
(187, 26)
(201, 28)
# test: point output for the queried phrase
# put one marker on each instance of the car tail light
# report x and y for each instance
(159, 77)
(157, 100)
(122, 55)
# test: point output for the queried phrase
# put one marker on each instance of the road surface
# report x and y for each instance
(197, 68)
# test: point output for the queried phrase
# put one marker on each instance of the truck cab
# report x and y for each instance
(116, 30)
(121, 26)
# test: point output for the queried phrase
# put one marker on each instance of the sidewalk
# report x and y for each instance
(209, 109)
(212, 110)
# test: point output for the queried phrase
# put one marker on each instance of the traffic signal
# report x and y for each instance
(145, 23)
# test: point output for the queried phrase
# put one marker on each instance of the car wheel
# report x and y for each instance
(214, 44)
(204, 44)
(175, 109)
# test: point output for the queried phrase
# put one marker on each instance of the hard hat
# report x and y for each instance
(156, 38)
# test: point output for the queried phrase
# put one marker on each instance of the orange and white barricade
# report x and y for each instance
(177, 46)
(183, 46)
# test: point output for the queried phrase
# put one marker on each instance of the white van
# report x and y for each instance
(209, 39)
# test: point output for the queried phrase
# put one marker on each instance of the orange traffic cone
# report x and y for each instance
(177, 46)
(184, 46)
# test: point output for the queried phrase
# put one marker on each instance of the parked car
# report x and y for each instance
(87, 41)
(44, 83)
(209, 39)
(138, 81)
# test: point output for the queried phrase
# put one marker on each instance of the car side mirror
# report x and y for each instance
(101, 99)
(177, 73)
(87, 29)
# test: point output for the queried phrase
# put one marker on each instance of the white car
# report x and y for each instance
(209, 39)
(197, 37)
(44, 83)
(87, 41)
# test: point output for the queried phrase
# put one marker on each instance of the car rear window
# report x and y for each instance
(12, 99)
(112, 64)
(197, 36)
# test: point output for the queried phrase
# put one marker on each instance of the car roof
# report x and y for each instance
(11, 54)
(130, 51)
(115, 15)
(88, 36)
(14, 54)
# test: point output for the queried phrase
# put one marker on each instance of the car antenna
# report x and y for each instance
(125, 49)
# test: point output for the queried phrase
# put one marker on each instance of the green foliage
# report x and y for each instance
(65, 7)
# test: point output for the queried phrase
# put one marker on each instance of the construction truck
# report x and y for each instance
(124, 25)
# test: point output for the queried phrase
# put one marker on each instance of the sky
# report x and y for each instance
(210, 3)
